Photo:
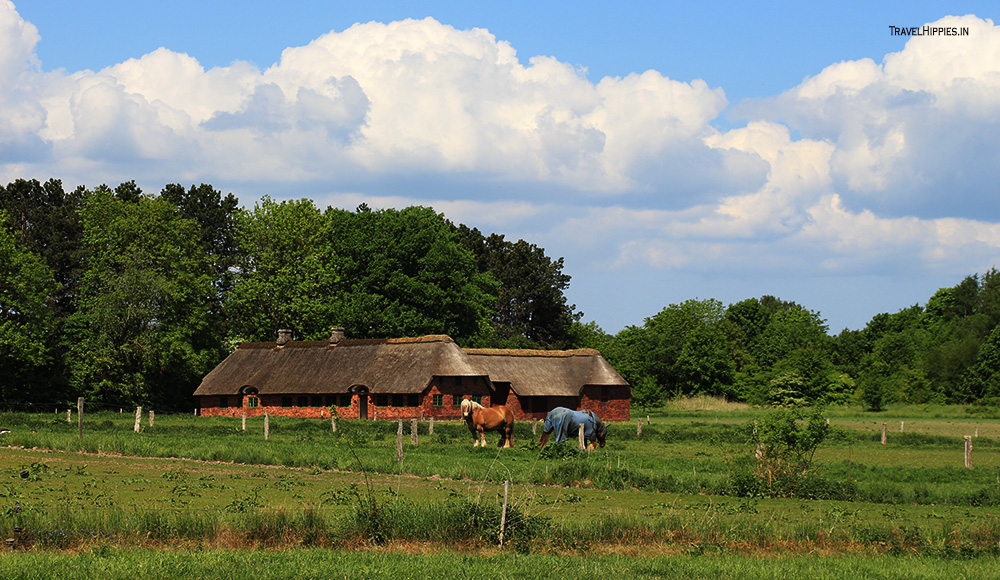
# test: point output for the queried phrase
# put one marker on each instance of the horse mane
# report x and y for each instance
(468, 406)
(472, 405)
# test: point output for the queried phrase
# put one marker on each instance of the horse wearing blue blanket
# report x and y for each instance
(565, 423)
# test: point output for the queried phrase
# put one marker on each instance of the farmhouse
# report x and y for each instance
(403, 378)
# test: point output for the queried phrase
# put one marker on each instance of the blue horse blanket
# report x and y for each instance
(565, 423)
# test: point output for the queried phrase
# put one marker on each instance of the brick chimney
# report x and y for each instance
(284, 335)
(336, 334)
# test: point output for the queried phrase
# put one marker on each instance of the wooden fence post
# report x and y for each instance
(399, 442)
(138, 418)
(583, 446)
(69, 415)
(901, 426)
(430, 428)
(413, 432)
(968, 452)
(534, 427)
(267, 426)
(152, 417)
(79, 417)
(333, 423)
(503, 512)
(638, 430)
(244, 419)
(884, 426)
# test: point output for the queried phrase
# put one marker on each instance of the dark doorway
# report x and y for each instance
(362, 392)
(500, 394)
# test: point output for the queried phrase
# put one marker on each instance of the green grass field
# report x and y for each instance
(115, 564)
(206, 487)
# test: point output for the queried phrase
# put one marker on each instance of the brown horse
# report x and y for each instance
(480, 419)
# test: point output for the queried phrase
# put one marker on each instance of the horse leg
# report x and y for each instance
(508, 435)
(482, 436)
(543, 440)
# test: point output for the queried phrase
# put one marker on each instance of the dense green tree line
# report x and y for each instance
(771, 352)
(130, 298)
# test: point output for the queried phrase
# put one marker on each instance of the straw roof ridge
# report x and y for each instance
(527, 352)
(350, 342)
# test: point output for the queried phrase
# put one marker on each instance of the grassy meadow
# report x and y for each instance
(199, 488)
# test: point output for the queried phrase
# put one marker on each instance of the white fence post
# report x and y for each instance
(399, 442)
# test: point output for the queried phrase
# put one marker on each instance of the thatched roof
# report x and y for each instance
(393, 365)
(549, 373)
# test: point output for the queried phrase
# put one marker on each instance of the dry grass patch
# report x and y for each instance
(704, 403)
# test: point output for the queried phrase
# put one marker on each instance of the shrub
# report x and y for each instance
(782, 444)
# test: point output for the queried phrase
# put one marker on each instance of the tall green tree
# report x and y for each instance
(982, 381)
(46, 220)
(531, 308)
(405, 273)
(686, 348)
(286, 272)
(140, 333)
(626, 353)
(215, 215)
(26, 321)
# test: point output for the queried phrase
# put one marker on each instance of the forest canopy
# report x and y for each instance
(129, 298)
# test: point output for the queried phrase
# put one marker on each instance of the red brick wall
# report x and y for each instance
(608, 403)
(448, 387)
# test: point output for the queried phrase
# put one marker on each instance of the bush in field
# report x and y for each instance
(782, 445)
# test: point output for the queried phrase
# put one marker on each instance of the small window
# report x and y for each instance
(456, 400)
(438, 400)
(412, 400)
(382, 400)
(398, 400)
(477, 399)
(286, 402)
(252, 402)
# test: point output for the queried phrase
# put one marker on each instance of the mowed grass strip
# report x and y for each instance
(418, 563)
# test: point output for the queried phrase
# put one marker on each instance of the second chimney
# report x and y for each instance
(336, 334)
(284, 335)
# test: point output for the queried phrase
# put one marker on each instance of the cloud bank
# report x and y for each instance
(864, 168)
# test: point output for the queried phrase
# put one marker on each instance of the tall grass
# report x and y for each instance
(476, 525)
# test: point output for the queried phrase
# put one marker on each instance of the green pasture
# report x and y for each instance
(114, 564)
(206, 481)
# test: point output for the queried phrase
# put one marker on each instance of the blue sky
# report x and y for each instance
(667, 151)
